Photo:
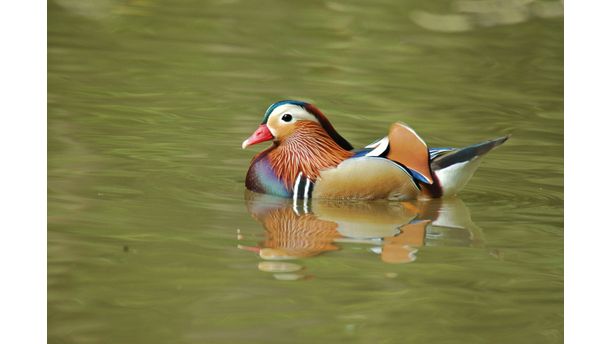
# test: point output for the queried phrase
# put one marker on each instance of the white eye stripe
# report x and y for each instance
(296, 112)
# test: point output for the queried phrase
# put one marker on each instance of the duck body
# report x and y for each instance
(309, 159)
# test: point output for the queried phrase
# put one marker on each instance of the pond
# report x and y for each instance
(153, 239)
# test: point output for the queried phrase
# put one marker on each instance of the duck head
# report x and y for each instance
(288, 117)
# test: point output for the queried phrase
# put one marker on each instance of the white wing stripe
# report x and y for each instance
(296, 186)
(374, 144)
(382, 146)
(306, 189)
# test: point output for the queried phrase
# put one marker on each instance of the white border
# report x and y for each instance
(588, 233)
(23, 189)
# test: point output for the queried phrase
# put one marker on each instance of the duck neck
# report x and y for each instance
(308, 150)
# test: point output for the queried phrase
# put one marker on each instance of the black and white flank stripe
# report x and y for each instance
(302, 188)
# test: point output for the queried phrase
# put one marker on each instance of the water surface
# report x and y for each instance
(151, 238)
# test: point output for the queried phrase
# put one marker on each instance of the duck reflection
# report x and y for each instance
(393, 230)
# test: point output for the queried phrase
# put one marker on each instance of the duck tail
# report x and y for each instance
(455, 167)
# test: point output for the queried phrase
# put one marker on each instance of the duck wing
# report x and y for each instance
(406, 148)
(386, 169)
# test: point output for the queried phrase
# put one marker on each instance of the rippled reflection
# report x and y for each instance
(393, 230)
(468, 15)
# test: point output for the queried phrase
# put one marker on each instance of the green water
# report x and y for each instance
(149, 101)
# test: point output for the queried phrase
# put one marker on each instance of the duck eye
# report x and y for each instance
(287, 117)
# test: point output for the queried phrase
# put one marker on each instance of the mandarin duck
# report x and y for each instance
(309, 159)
